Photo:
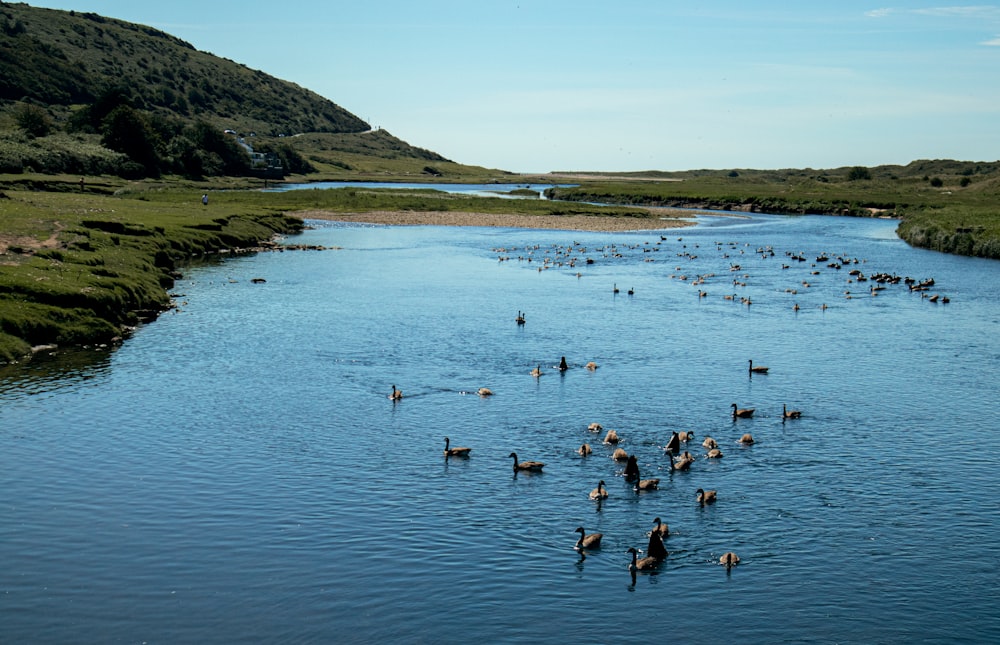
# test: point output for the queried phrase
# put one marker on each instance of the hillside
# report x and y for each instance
(86, 94)
(61, 59)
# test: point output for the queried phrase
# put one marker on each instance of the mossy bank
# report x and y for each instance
(81, 269)
(83, 263)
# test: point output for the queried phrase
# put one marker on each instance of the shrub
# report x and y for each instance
(858, 173)
(34, 120)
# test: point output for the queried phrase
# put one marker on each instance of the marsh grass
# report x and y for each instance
(83, 268)
(960, 215)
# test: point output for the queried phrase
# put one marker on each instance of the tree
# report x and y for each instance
(212, 141)
(91, 118)
(127, 130)
(33, 119)
(858, 173)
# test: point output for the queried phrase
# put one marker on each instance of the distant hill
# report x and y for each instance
(83, 93)
(65, 58)
(920, 169)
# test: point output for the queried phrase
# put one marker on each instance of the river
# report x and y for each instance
(235, 471)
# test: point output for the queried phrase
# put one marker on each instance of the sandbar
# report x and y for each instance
(660, 219)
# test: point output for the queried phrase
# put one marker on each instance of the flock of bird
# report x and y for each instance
(678, 460)
(576, 254)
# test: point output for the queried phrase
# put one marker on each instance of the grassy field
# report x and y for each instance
(81, 267)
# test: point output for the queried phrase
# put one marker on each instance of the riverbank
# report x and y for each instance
(659, 219)
(958, 217)
(84, 270)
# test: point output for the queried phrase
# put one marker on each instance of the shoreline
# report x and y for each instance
(594, 223)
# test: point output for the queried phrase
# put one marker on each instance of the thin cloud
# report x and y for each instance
(976, 12)
(995, 42)
(971, 11)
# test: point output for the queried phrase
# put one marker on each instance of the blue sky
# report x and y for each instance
(534, 86)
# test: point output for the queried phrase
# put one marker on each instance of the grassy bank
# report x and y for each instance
(949, 213)
(81, 268)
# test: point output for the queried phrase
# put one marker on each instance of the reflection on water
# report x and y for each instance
(47, 371)
(236, 470)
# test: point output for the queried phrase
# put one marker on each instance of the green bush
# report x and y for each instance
(859, 173)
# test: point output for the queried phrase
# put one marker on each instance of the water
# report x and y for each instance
(236, 473)
(482, 190)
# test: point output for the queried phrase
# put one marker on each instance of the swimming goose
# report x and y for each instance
(591, 541)
(705, 496)
(631, 468)
(644, 564)
(682, 462)
(396, 394)
(537, 371)
(655, 549)
(709, 443)
(685, 436)
(591, 366)
(484, 391)
(611, 437)
(520, 318)
(531, 466)
(674, 444)
(595, 427)
(789, 414)
(454, 452)
(757, 370)
(714, 453)
(746, 439)
(743, 413)
(645, 484)
(600, 492)
(729, 560)
(585, 450)
(660, 528)
(620, 455)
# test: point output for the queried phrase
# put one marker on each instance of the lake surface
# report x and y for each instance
(235, 472)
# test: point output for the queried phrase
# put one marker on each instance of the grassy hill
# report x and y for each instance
(63, 59)
(86, 94)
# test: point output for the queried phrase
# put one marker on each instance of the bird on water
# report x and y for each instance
(529, 466)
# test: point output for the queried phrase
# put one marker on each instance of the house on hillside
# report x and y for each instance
(266, 165)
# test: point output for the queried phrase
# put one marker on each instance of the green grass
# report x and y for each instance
(112, 261)
(112, 253)
(949, 216)
(109, 254)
